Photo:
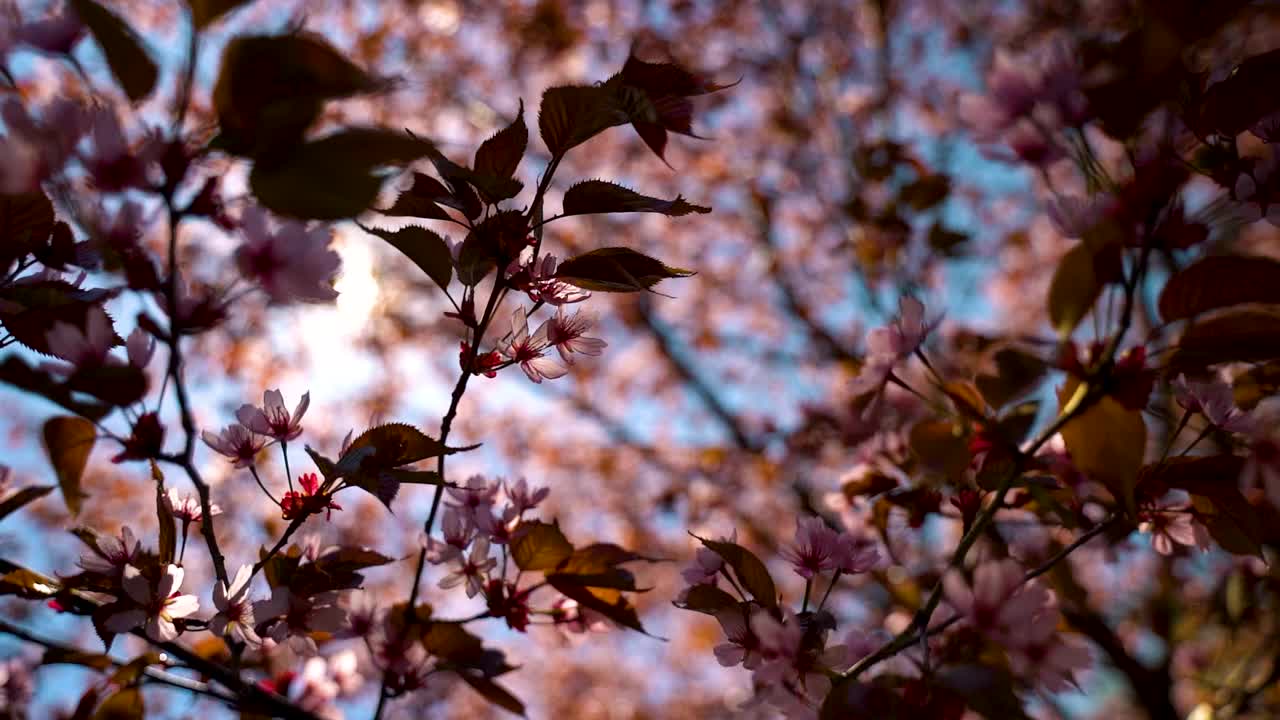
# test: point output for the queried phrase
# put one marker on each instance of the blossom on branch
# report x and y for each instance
(235, 611)
(158, 603)
(237, 443)
(273, 418)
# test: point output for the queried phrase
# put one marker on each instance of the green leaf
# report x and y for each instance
(1220, 281)
(572, 115)
(206, 12)
(751, 573)
(599, 196)
(71, 656)
(707, 599)
(27, 584)
(332, 178)
(168, 543)
(123, 704)
(68, 441)
(1107, 442)
(426, 249)
(26, 495)
(499, 156)
(493, 692)
(539, 546)
(129, 62)
(1074, 289)
(616, 269)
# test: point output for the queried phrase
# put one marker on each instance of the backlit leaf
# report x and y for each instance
(271, 88)
(572, 115)
(940, 448)
(499, 156)
(123, 704)
(599, 196)
(1234, 336)
(67, 441)
(539, 546)
(206, 12)
(132, 67)
(27, 584)
(421, 199)
(425, 248)
(1220, 281)
(1107, 442)
(494, 693)
(16, 372)
(616, 269)
(1074, 289)
(708, 599)
(750, 572)
(332, 178)
(168, 540)
(26, 221)
(21, 498)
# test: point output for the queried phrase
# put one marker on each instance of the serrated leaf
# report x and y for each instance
(499, 156)
(421, 199)
(492, 243)
(206, 12)
(600, 196)
(571, 115)
(1233, 336)
(332, 178)
(540, 546)
(397, 444)
(31, 309)
(494, 693)
(21, 498)
(26, 221)
(425, 248)
(750, 572)
(132, 67)
(271, 88)
(67, 442)
(616, 269)
(1218, 282)
(1107, 442)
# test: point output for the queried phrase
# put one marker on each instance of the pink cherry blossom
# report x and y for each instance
(815, 548)
(528, 350)
(187, 507)
(1170, 527)
(158, 604)
(458, 529)
(743, 647)
(292, 617)
(290, 264)
(87, 348)
(1262, 468)
(273, 418)
(568, 335)
(855, 555)
(522, 498)
(472, 569)
(1215, 401)
(112, 554)
(890, 345)
(140, 346)
(237, 443)
(705, 568)
(235, 611)
(475, 498)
